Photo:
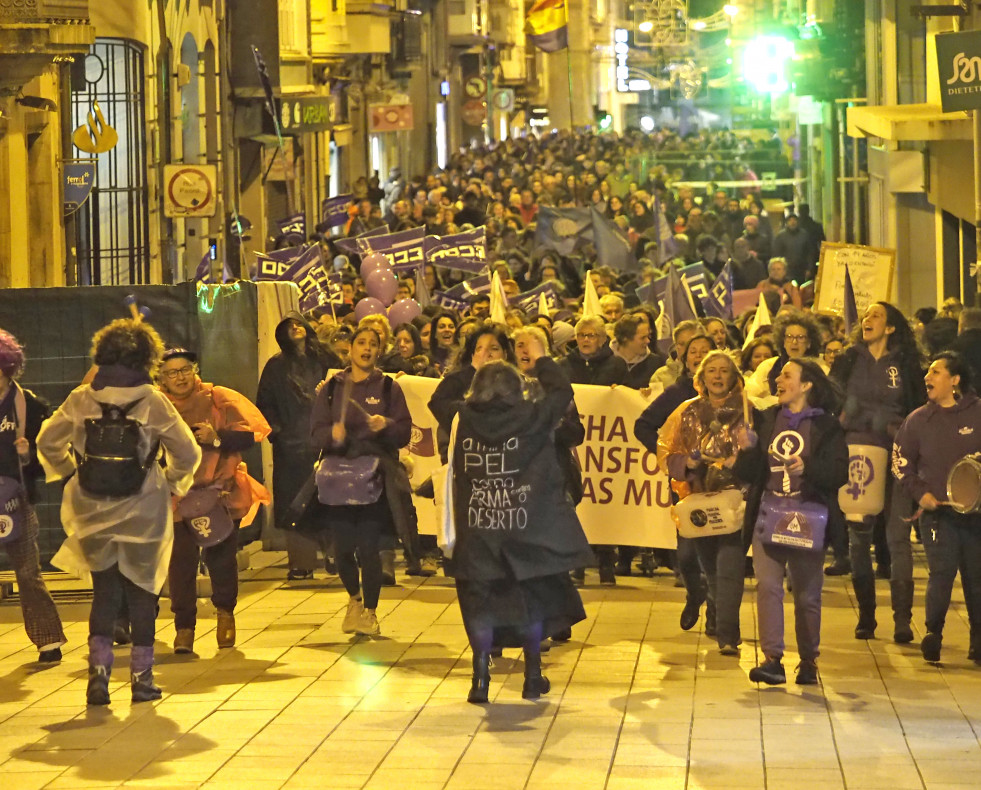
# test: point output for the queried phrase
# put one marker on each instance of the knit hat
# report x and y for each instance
(562, 334)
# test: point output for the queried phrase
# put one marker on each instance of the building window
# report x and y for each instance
(113, 226)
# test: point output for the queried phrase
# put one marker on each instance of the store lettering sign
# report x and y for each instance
(959, 70)
(308, 114)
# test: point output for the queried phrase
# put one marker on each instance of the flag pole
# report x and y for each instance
(568, 66)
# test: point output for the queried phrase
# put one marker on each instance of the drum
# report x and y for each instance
(964, 484)
(865, 492)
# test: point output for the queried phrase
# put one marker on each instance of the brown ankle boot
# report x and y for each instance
(226, 629)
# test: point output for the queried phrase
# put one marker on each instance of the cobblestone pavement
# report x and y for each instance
(635, 702)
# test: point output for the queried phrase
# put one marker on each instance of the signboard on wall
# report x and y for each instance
(308, 113)
(190, 190)
(390, 118)
(871, 270)
(959, 70)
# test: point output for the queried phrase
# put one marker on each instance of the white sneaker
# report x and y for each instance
(368, 624)
(352, 619)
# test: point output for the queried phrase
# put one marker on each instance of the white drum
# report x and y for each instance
(704, 514)
(964, 484)
(865, 492)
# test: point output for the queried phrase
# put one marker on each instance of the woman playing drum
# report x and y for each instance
(928, 445)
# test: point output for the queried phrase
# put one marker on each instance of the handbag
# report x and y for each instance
(789, 520)
(710, 513)
(443, 497)
(11, 509)
(349, 481)
(203, 511)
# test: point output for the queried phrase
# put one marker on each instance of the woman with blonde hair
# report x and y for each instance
(697, 446)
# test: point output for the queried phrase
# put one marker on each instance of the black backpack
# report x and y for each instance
(110, 465)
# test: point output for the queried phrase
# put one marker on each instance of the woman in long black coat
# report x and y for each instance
(287, 389)
(517, 533)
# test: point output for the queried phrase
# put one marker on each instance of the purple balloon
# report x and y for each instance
(383, 285)
(368, 306)
(373, 262)
(403, 311)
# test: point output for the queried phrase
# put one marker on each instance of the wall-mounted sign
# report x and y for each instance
(621, 50)
(95, 136)
(189, 190)
(475, 87)
(474, 112)
(78, 180)
(308, 114)
(959, 70)
(390, 118)
(503, 99)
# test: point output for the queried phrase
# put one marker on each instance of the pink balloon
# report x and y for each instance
(383, 285)
(373, 262)
(403, 311)
(368, 306)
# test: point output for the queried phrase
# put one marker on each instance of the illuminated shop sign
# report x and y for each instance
(621, 49)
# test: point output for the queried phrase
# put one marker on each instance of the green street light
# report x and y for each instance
(765, 64)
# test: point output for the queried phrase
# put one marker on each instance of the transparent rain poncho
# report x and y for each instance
(135, 532)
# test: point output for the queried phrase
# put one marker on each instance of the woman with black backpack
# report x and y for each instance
(116, 506)
(21, 414)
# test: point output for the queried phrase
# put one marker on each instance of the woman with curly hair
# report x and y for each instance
(121, 540)
(21, 414)
(795, 335)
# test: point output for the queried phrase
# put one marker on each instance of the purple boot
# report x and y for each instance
(141, 674)
(100, 667)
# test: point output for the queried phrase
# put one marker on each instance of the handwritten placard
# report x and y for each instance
(871, 270)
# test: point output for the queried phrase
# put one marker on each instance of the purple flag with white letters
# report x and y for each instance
(333, 211)
(464, 251)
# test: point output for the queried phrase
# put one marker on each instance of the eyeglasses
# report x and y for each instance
(587, 335)
(179, 373)
(795, 338)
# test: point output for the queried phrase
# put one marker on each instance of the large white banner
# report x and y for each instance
(626, 497)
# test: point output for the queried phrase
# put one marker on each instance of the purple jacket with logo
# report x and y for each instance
(931, 441)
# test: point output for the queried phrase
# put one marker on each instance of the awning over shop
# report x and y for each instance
(912, 122)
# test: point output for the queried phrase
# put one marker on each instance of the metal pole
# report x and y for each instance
(977, 200)
(856, 195)
(842, 188)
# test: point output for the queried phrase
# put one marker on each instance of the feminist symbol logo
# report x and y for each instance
(860, 475)
(202, 526)
(785, 446)
(893, 373)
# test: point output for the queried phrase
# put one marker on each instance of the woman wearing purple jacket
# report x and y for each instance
(931, 440)
(362, 412)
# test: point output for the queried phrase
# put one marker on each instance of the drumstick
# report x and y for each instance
(346, 396)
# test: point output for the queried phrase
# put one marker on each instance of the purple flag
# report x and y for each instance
(464, 251)
(563, 229)
(311, 255)
(447, 301)
(667, 247)
(422, 290)
(203, 272)
(675, 309)
(719, 299)
(404, 249)
(333, 211)
(272, 264)
(613, 248)
(528, 300)
(359, 245)
(293, 229)
(468, 288)
(851, 309)
(318, 288)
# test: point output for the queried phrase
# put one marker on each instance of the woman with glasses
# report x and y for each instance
(592, 361)
(796, 335)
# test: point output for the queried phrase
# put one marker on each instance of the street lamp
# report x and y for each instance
(645, 27)
(730, 10)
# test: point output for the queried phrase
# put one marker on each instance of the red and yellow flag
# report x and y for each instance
(547, 25)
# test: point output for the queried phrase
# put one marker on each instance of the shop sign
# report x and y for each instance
(308, 114)
(79, 178)
(390, 118)
(959, 70)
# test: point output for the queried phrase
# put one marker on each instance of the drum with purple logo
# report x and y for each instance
(865, 492)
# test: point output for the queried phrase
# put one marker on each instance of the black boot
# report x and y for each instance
(481, 679)
(607, 565)
(902, 610)
(865, 594)
(536, 684)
